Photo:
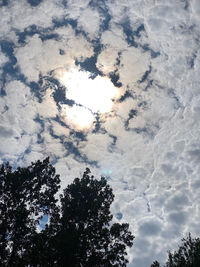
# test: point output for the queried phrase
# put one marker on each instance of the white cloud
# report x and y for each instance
(41, 57)
(38, 57)
(133, 65)
(3, 59)
(107, 60)
(114, 38)
(89, 21)
(19, 15)
(75, 8)
(47, 108)
(17, 120)
(195, 8)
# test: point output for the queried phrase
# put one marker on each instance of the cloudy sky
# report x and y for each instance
(112, 85)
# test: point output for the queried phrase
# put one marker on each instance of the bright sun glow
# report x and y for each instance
(79, 117)
(90, 95)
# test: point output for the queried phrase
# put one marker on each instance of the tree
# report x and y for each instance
(80, 231)
(155, 264)
(25, 195)
(188, 254)
(86, 236)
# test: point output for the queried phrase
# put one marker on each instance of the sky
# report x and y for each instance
(114, 86)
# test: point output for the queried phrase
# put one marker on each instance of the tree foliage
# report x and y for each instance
(155, 264)
(25, 194)
(187, 255)
(80, 231)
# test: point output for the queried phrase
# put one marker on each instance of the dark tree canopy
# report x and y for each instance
(25, 194)
(80, 231)
(187, 255)
(86, 233)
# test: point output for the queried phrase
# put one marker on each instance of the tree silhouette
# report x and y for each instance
(187, 255)
(155, 264)
(86, 237)
(25, 194)
(80, 231)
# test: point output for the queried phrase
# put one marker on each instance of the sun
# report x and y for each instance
(78, 117)
(91, 96)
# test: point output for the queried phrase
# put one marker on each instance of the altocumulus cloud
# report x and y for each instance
(148, 144)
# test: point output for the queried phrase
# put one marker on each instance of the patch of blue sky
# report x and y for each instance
(119, 215)
(44, 221)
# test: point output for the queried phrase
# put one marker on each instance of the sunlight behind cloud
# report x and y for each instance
(94, 95)
(78, 116)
